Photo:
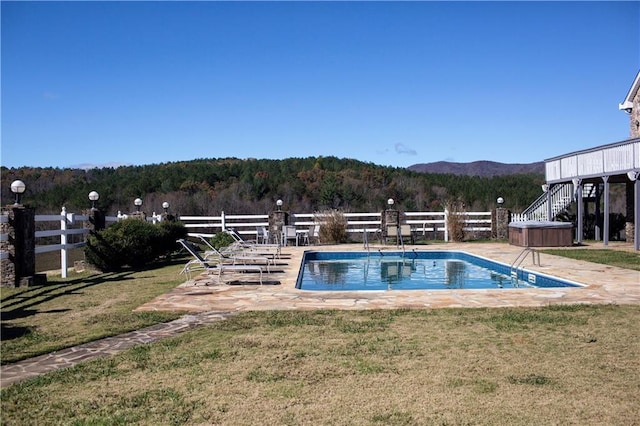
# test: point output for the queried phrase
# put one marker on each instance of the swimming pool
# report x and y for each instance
(415, 270)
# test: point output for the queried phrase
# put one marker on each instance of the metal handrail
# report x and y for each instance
(515, 265)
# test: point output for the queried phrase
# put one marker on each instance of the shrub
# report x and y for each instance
(333, 226)
(131, 242)
(455, 220)
(171, 231)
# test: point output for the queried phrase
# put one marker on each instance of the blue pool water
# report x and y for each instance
(416, 270)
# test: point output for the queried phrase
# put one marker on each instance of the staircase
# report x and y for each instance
(561, 197)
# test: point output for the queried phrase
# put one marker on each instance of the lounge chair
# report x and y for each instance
(243, 257)
(263, 249)
(220, 267)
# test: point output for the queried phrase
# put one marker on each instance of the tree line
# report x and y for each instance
(252, 186)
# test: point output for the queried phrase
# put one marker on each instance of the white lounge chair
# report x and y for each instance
(264, 249)
(200, 263)
(243, 257)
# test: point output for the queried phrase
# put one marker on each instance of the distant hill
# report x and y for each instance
(478, 168)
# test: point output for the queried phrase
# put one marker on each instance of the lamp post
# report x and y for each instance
(279, 204)
(500, 202)
(93, 197)
(18, 187)
(138, 203)
(390, 203)
(165, 206)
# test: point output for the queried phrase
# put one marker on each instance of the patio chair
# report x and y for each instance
(200, 263)
(262, 235)
(311, 235)
(289, 233)
(397, 232)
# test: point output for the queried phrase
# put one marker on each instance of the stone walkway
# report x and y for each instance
(210, 301)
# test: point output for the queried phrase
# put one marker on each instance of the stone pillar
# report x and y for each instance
(167, 216)
(20, 268)
(138, 215)
(96, 221)
(277, 220)
(500, 223)
(7, 266)
(390, 217)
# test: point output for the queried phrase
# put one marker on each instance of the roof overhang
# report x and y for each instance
(627, 104)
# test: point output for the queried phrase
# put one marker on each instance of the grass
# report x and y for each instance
(81, 308)
(619, 258)
(554, 365)
(565, 364)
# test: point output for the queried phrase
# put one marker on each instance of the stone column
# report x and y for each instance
(277, 220)
(390, 217)
(96, 221)
(500, 223)
(140, 215)
(20, 268)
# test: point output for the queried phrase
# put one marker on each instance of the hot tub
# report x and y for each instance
(541, 234)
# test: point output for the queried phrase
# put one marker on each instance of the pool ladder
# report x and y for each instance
(516, 264)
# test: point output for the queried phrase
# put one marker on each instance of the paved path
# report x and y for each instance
(69, 357)
(210, 301)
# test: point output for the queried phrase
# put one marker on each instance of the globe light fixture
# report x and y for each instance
(390, 202)
(545, 187)
(138, 203)
(93, 197)
(279, 204)
(500, 201)
(18, 187)
(165, 206)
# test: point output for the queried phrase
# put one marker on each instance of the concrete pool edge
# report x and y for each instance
(602, 285)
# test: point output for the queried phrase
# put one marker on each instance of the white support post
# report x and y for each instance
(222, 221)
(636, 214)
(63, 242)
(549, 210)
(605, 225)
(446, 225)
(577, 187)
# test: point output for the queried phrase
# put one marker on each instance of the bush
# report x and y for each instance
(171, 231)
(132, 242)
(456, 221)
(333, 226)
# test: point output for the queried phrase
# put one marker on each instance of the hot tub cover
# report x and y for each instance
(540, 224)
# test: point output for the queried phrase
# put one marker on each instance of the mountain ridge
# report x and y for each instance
(481, 168)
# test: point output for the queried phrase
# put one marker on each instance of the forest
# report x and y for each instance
(252, 186)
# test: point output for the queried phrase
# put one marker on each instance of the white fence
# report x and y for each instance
(71, 231)
(427, 224)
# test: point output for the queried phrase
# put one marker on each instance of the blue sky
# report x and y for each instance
(392, 83)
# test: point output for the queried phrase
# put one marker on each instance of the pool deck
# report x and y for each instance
(603, 285)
